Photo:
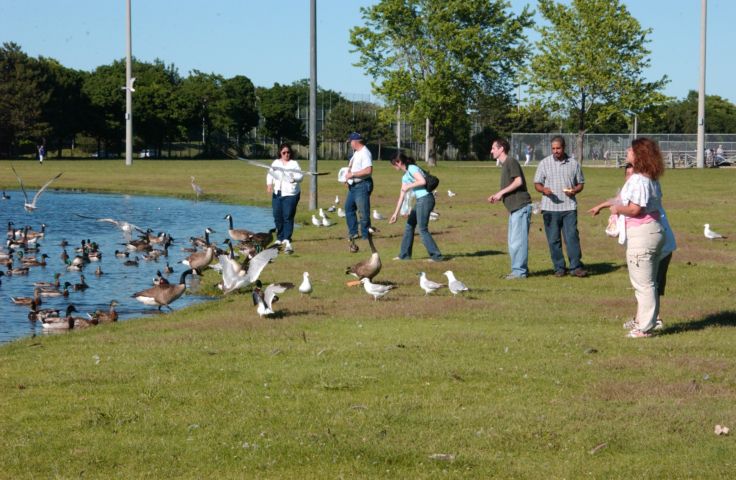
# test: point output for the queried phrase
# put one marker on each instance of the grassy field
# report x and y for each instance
(518, 379)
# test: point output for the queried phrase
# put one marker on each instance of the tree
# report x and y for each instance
(105, 122)
(155, 116)
(432, 57)
(593, 52)
(278, 106)
(240, 107)
(202, 107)
(21, 98)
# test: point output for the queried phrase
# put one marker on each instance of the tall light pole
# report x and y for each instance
(701, 92)
(313, 102)
(128, 92)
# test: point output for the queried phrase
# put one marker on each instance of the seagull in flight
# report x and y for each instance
(31, 206)
(263, 165)
(710, 233)
(125, 227)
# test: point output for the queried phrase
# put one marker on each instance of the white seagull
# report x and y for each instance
(376, 290)
(264, 299)
(31, 206)
(455, 285)
(340, 212)
(710, 233)
(306, 287)
(377, 216)
(337, 199)
(130, 85)
(234, 278)
(428, 285)
(316, 222)
(126, 227)
(434, 215)
(451, 194)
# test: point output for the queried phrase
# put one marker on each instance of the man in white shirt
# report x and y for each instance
(360, 186)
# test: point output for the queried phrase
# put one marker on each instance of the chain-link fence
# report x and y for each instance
(679, 150)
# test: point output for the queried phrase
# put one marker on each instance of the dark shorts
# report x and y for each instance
(664, 264)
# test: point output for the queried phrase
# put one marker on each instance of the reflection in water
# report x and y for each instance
(58, 210)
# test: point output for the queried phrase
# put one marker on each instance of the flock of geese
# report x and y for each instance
(240, 263)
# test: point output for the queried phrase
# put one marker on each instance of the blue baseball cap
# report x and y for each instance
(355, 136)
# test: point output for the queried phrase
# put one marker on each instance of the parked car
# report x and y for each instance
(148, 153)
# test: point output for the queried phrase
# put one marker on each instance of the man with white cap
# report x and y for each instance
(360, 186)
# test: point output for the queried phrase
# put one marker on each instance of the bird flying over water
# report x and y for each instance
(30, 206)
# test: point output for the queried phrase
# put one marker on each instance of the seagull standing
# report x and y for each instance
(306, 287)
(451, 194)
(377, 216)
(434, 215)
(710, 233)
(337, 199)
(376, 290)
(316, 222)
(197, 189)
(340, 212)
(325, 221)
(428, 285)
(455, 285)
(30, 206)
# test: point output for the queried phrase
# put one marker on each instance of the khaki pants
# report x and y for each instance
(643, 244)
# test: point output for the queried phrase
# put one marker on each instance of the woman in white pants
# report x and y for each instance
(640, 204)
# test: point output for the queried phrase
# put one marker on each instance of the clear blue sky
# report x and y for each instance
(268, 41)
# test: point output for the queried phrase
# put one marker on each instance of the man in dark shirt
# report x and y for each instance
(518, 202)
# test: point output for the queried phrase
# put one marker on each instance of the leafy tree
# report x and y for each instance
(155, 113)
(106, 119)
(21, 98)
(432, 57)
(278, 106)
(240, 107)
(202, 108)
(592, 52)
(67, 106)
(680, 116)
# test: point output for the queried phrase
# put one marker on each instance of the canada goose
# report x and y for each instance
(199, 260)
(263, 239)
(120, 254)
(234, 278)
(101, 316)
(168, 269)
(31, 206)
(264, 299)
(27, 300)
(376, 290)
(140, 245)
(64, 292)
(455, 285)
(54, 284)
(238, 234)
(159, 279)
(306, 286)
(197, 189)
(367, 268)
(164, 294)
(5, 196)
(428, 285)
(39, 234)
(202, 241)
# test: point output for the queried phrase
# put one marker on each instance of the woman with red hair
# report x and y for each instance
(640, 204)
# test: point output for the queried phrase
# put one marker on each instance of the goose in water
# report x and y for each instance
(376, 290)
(428, 285)
(234, 277)
(264, 299)
(368, 268)
(163, 294)
(239, 234)
(455, 285)
(30, 206)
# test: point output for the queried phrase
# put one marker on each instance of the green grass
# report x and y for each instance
(519, 379)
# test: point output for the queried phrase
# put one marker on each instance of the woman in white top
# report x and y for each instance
(282, 182)
(641, 203)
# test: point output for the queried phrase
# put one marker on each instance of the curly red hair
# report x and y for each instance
(649, 160)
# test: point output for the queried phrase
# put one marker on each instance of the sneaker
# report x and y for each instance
(580, 273)
(399, 258)
(513, 276)
(636, 333)
(277, 242)
(631, 324)
(435, 260)
(288, 249)
(659, 325)
(560, 273)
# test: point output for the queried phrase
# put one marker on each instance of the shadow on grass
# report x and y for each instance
(479, 253)
(720, 319)
(592, 268)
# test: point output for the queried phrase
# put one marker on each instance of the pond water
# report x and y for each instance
(182, 219)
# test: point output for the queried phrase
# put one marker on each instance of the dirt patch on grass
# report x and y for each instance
(656, 389)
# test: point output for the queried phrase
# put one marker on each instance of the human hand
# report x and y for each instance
(594, 211)
(570, 192)
(547, 191)
(392, 219)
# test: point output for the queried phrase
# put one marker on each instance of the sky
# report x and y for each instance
(268, 41)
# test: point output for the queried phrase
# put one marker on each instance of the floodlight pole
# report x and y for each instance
(128, 92)
(313, 102)
(700, 161)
